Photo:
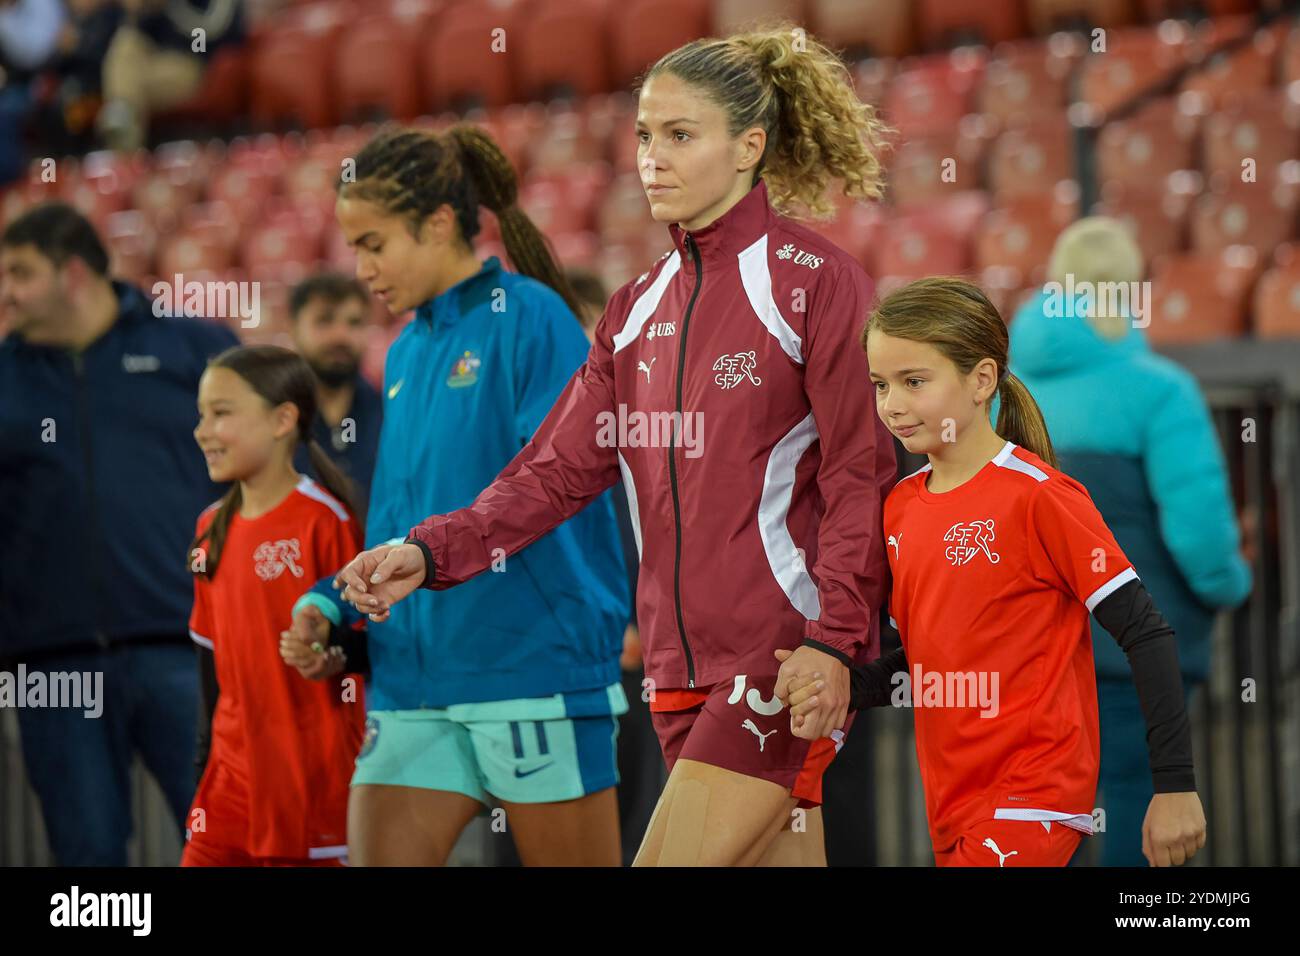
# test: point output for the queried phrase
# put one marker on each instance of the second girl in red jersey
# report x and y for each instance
(997, 560)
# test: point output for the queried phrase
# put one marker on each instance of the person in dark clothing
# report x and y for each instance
(331, 318)
(97, 459)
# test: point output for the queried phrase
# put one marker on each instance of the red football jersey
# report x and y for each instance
(993, 584)
(292, 741)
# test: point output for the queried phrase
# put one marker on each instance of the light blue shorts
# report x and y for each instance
(494, 750)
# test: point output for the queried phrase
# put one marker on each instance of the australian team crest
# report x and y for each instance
(465, 371)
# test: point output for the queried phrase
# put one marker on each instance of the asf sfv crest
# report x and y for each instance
(734, 369)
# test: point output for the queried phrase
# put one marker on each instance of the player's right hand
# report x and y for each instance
(303, 645)
(375, 580)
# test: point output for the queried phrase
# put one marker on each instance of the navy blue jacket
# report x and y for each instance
(101, 482)
(354, 452)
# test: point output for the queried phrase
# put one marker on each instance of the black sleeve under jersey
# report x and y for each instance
(870, 685)
(356, 648)
(208, 692)
(1131, 617)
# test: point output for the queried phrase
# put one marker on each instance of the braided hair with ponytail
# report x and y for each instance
(412, 173)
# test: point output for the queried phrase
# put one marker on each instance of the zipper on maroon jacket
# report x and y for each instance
(672, 464)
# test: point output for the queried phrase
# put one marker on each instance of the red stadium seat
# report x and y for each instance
(919, 244)
(1018, 235)
(644, 30)
(279, 247)
(1263, 127)
(375, 65)
(1164, 9)
(872, 78)
(1277, 303)
(462, 57)
(734, 16)
(945, 23)
(1024, 81)
(1031, 159)
(547, 206)
(1158, 222)
(1231, 74)
(934, 94)
(1290, 57)
(919, 171)
(544, 52)
(1199, 297)
(564, 141)
(1261, 215)
(1134, 62)
(857, 230)
(575, 249)
(192, 251)
(1047, 16)
(624, 211)
(130, 240)
(222, 98)
(292, 79)
(245, 187)
(1149, 146)
(164, 194)
(881, 28)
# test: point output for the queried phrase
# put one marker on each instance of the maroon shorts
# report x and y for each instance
(739, 725)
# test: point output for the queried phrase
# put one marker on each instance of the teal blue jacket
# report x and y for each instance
(1133, 427)
(466, 384)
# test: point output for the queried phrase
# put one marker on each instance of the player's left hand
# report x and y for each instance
(832, 708)
(1174, 828)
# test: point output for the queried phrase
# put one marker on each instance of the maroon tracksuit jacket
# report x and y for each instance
(728, 390)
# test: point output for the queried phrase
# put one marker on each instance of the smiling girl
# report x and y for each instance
(275, 788)
(998, 558)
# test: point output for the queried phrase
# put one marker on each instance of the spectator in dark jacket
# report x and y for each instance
(98, 461)
(331, 322)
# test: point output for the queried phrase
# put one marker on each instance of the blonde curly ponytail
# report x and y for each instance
(801, 94)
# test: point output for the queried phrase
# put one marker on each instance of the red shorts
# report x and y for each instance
(218, 836)
(739, 725)
(1012, 843)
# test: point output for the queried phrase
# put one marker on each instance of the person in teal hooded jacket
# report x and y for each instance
(1133, 427)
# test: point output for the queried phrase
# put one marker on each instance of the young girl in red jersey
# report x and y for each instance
(275, 788)
(997, 559)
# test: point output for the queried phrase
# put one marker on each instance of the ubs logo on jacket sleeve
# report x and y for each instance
(273, 558)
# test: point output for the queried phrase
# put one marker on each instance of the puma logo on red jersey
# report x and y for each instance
(969, 539)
